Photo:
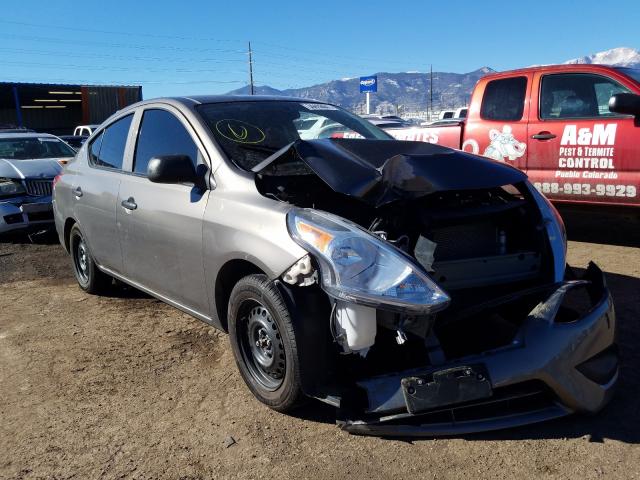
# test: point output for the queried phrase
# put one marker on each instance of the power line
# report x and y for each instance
(250, 69)
(120, 82)
(119, 45)
(205, 40)
(112, 32)
(181, 59)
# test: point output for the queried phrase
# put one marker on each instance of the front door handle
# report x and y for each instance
(129, 204)
(543, 136)
(77, 192)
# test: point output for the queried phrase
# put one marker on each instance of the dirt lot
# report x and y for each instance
(127, 387)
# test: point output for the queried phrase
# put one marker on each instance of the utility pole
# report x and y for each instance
(431, 91)
(250, 70)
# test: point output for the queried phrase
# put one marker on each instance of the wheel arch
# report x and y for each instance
(228, 276)
(68, 225)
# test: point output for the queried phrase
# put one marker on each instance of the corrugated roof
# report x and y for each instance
(35, 84)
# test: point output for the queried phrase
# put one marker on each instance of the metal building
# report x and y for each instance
(58, 109)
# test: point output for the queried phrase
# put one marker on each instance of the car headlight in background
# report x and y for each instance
(359, 267)
(556, 231)
(10, 188)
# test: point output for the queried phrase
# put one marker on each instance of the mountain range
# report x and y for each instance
(412, 89)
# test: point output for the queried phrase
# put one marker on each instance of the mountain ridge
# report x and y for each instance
(412, 89)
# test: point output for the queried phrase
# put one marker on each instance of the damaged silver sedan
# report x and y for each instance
(418, 289)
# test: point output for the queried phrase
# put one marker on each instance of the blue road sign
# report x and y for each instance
(369, 84)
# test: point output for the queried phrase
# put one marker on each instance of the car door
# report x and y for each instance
(579, 150)
(501, 131)
(161, 224)
(95, 192)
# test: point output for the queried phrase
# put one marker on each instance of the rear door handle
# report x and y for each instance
(129, 204)
(543, 136)
(77, 192)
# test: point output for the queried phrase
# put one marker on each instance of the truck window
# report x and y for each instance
(503, 99)
(577, 95)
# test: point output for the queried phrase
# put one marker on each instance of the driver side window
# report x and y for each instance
(161, 133)
(577, 95)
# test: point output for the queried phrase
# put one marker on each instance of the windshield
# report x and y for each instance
(33, 148)
(631, 72)
(249, 132)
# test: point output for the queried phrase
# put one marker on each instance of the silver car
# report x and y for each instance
(28, 164)
(420, 290)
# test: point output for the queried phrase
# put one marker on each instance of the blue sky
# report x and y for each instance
(194, 47)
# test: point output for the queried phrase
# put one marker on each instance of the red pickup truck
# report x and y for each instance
(574, 129)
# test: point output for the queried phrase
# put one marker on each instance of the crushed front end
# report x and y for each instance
(435, 298)
(562, 359)
(25, 204)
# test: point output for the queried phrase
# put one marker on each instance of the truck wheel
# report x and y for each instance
(88, 275)
(264, 343)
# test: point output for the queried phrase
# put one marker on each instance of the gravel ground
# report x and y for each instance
(128, 387)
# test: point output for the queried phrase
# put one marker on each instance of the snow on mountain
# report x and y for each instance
(621, 56)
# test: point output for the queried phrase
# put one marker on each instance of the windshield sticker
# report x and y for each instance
(504, 144)
(239, 131)
(318, 106)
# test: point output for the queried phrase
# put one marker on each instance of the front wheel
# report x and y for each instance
(87, 273)
(264, 344)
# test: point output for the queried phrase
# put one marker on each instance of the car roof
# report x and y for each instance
(247, 98)
(193, 100)
(26, 135)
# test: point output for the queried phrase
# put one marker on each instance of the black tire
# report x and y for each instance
(87, 273)
(264, 344)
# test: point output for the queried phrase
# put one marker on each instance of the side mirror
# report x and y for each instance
(625, 103)
(171, 169)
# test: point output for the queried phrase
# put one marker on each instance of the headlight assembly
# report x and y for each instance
(358, 267)
(10, 188)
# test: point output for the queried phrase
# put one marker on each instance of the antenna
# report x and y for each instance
(250, 70)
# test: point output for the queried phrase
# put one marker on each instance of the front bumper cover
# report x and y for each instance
(544, 364)
(24, 213)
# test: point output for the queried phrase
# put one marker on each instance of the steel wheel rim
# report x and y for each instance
(81, 260)
(261, 345)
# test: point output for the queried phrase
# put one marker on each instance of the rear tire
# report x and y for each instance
(87, 273)
(264, 344)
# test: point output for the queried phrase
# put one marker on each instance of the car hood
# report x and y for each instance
(383, 171)
(34, 168)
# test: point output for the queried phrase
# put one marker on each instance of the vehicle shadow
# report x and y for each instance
(604, 225)
(119, 289)
(617, 421)
(46, 236)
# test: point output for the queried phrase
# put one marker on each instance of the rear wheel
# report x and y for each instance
(264, 343)
(88, 275)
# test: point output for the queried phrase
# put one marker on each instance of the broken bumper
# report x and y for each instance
(25, 213)
(550, 370)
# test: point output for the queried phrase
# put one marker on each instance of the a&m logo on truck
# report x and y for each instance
(587, 149)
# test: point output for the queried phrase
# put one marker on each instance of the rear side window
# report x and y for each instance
(94, 149)
(504, 99)
(577, 95)
(161, 133)
(107, 150)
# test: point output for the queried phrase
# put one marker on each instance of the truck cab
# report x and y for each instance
(554, 123)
